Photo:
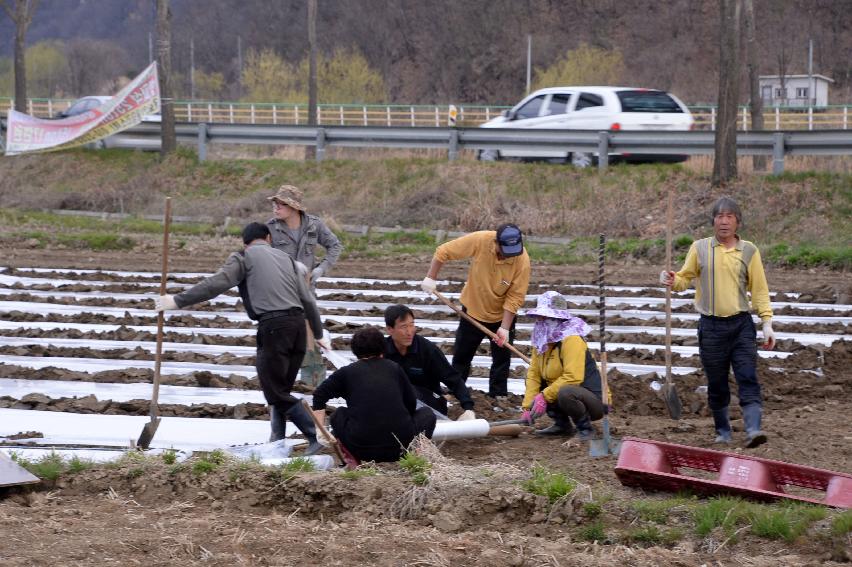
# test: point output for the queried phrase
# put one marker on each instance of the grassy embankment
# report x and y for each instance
(798, 219)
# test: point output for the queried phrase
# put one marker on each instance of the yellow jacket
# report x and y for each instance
(555, 368)
(492, 285)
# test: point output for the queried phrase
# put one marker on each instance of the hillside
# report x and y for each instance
(798, 219)
(470, 52)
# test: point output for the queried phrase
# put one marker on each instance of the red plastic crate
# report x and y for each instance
(654, 464)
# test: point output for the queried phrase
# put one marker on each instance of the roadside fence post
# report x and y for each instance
(603, 150)
(320, 144)
(453, 152)
(778, 153)
(202, 142)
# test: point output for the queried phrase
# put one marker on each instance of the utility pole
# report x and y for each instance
(811, 93)
(192, 68)
(756, 101)
(164, 60)
(150, 47)
(239, 66)
(310, 152)
(529, 60)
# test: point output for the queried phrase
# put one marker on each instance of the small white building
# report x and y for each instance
(798, 90)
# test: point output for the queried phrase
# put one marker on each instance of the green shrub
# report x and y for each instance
(296, 465)
(842, 523)
(724, 512)
(593, 532)
(360, 472)
(553, 485)
(169, 456)
(784, 521)
(592, 509)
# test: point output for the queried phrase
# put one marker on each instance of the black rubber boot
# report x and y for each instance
(561, 427)
(723, 426)
(278, 425)
(585, 430)
(301, 419)
(752, 414)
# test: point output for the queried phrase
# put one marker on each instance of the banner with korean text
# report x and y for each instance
(26, 134)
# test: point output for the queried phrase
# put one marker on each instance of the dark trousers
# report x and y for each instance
(423, 422)
(576, 403)
(280, 350)
(725, 343)
(467, 341)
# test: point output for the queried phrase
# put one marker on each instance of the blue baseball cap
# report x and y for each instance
(510, 239)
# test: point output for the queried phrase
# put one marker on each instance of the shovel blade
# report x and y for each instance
(673, 405)
(604, 447)
(148, 432)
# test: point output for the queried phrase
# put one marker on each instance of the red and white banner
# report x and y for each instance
(25, 133)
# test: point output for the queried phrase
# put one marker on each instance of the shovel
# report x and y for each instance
(150, 428)
(479, 325)
(669, 391)
(606, 445)
(332, 442)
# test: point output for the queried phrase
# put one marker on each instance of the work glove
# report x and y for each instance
(539, 406)
(322, 440)
(527, 417)
(316, 274)
(466, 415)
(667, 278)
(768, 335)
(324, 343)
(502, 336)
(428, 285)
(165, 303)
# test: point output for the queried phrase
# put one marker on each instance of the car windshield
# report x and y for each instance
(647, 101)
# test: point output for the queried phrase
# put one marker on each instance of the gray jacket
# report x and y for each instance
(271, 284)
(312, 232)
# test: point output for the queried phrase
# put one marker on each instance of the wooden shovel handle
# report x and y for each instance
(164, 275)
(669, 289)
(324, 432)
(480, 326)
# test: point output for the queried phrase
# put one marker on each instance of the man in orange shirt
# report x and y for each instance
(495, 289)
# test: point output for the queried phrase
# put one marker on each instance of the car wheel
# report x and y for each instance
(581, 159)
(488, 155)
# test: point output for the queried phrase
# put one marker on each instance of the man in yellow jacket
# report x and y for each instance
(495, 289)
(726, 269)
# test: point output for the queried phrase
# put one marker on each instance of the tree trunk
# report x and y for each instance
(310, 151)
(725, 162)
(756, 99)
(21, 15)
(164, 61)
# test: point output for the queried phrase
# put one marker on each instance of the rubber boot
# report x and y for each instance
(585, 430)
(751, 417)
(723, 426)
(301, 419)
(278, 424)
(561, 427)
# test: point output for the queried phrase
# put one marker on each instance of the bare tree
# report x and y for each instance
(22, 16)
(755, 98)
(310, 151)
(725, 162)
(93, 65)
(164, 60)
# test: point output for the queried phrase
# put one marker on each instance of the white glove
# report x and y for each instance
(667, 278)
(324, 343)
(768, 335)
(165, 303)
(502, 336)
(428, 285)
(466, 415)
(316, 274)
(321, 439)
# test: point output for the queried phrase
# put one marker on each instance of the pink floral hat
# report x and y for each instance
(550, 304)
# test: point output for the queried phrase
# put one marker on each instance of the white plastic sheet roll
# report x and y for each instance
(469, 429)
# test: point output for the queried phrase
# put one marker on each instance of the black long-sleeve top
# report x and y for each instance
(427, 367)
(379, 398)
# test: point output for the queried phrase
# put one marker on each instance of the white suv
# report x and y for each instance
(592, 108)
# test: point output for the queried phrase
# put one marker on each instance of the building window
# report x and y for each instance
(780, 93)
(802, 92)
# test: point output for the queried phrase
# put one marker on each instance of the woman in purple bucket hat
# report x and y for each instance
(563, 379)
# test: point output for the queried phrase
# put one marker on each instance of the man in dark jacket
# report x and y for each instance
(424, 363)
(276, 297)
(380, 418)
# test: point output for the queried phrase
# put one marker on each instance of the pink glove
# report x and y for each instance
(539, 406)
(526, 416)
(502, 336)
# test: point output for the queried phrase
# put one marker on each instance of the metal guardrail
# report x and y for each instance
(453, 140)
(833, 117)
